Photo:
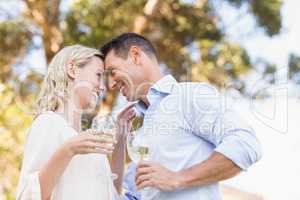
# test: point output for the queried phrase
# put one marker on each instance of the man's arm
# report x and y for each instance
(216, 168)
(236, 149)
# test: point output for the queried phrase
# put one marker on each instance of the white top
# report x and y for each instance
(86, 177)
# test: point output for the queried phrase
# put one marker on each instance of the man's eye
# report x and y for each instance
(109, 72)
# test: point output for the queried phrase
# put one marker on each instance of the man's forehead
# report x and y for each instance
(107, 65)
(112, 60)
(109, 59)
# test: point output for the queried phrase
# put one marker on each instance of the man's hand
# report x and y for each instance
(149, 174)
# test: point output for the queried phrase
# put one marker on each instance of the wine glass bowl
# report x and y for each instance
(105, 124)
(137, 150)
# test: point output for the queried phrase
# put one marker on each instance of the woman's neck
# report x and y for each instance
(72, 115)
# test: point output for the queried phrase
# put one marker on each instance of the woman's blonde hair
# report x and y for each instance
(55, 86)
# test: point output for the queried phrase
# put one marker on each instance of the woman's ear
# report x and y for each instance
(71, 69)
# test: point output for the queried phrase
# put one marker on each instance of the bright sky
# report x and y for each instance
(276, 49)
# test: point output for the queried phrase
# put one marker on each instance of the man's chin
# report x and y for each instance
(129, 98)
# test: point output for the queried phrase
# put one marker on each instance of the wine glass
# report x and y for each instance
(106, 124)
(137, 149)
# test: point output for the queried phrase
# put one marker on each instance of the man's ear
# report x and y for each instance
(71, 70)
(135, 53)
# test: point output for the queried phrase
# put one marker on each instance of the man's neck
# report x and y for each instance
(153, 79)
(145, 100)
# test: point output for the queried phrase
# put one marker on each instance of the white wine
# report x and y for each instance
(138, 153)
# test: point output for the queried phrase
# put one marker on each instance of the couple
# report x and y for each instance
(194, 143)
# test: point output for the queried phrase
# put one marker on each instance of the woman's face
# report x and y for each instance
(88, 84)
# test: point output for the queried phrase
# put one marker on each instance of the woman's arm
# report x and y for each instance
(52, 171)
(118, 163)
(55, 167)
(124, 123)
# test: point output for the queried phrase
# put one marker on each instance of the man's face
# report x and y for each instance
(125, 75)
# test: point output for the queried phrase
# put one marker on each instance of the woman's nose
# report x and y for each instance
(101, 86)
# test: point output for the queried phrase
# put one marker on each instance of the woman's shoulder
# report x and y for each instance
(49, 116)
(45, 132)
(48, 120)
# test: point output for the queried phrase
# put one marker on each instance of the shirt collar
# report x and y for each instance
(161, 88)
(164, 85)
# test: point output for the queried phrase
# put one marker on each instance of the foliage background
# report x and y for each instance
(190, 36)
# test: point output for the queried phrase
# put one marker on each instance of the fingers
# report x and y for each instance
(146, 183)
(94, 132)
(94, 144)
(128, 111)
(99, 137)
(130, 106)
(143, 170)
(140, 179)
(98, 151)
(89, 143)
(128, 115)
(131, 114)
(144, 163)
(93, 147)
(102, 151)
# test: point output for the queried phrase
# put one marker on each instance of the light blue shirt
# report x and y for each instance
(183, 125)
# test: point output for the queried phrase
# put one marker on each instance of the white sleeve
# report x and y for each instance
(211, 120)
(42, 141)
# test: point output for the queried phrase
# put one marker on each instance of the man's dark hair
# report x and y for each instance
(122, 44)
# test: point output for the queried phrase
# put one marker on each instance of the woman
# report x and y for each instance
(60, 161)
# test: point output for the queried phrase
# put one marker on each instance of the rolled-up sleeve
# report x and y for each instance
(211, 120)
(238, 142)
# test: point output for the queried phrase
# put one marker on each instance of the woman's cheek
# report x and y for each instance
(83, 97)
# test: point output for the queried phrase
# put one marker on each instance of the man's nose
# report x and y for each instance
(111, 83)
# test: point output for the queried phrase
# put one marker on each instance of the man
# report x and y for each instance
(194, 141)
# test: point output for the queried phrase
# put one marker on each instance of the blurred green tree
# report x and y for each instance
(294, 68)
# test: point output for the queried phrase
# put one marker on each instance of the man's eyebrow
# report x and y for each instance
(108, 67)
(108, 70)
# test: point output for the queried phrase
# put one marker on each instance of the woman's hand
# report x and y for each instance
(124, 121)
(90, 141)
